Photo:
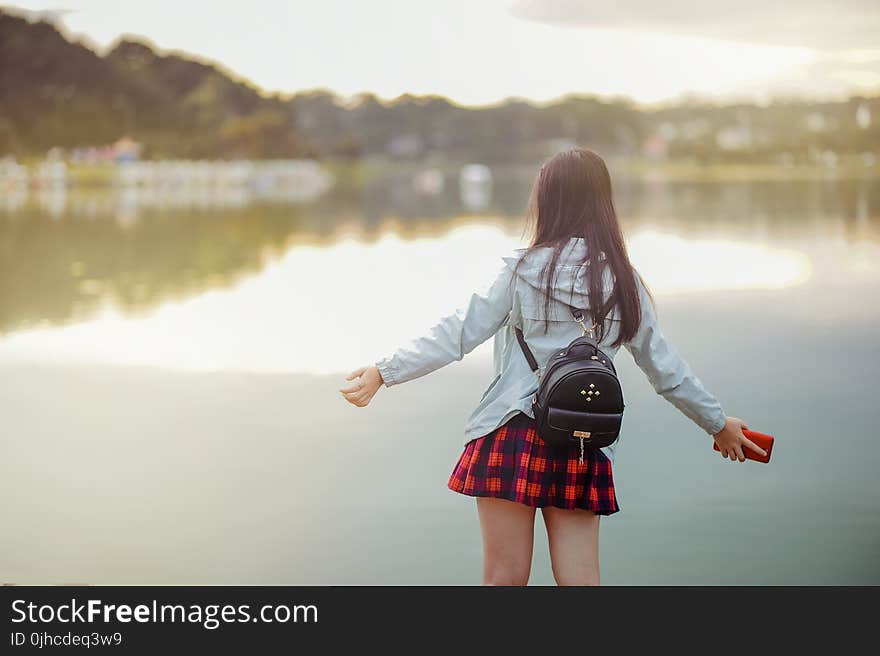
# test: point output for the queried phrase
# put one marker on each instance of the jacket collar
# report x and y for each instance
(569, 269)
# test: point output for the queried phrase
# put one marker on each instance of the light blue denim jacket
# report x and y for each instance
(517, 300)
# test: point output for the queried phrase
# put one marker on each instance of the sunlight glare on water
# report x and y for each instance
(672, 264)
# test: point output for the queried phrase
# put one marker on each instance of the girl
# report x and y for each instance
(577, 258)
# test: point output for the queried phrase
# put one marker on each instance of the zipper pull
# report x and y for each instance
(582, 435)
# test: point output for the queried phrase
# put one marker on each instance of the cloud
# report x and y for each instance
(818, 24)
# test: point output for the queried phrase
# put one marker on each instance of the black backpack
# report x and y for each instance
(579, 400)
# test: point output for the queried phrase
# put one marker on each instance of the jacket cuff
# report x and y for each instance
(387, 370)
(714, 426)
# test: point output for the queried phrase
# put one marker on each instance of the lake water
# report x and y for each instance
(169, 366)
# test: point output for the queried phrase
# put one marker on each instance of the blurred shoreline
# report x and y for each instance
(305, 180)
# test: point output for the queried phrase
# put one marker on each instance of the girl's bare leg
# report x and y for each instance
(574, 545)
(508, 536)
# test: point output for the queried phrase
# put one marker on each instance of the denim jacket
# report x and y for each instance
(517, 299)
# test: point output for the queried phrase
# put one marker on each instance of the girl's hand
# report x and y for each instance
(731, 440)
(367, 381)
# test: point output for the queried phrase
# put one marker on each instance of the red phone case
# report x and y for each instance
(762, 440)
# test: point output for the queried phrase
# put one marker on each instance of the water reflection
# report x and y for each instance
(321, 308)
(91, 255)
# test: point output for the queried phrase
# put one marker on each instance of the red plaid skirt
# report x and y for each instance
(513, 463)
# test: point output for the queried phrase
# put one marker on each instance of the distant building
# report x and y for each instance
(863, 116)
(12, 174)
(734, 137)
(51, 173)
(475, 186)
(126, 150)
(429, 182)
(656, 147)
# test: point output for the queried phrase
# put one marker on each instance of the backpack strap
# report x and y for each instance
(527, 352)
(530, 357)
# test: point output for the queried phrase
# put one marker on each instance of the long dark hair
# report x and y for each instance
(572, 197)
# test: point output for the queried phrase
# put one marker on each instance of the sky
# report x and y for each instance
(483, 51)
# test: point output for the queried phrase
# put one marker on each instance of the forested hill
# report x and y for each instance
(56, 92)
(60, 93)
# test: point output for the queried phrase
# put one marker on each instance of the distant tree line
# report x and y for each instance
(59, 93)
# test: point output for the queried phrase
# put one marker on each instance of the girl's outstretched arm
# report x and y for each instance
(673, 379)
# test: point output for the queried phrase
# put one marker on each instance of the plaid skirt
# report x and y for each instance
(513, 463)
